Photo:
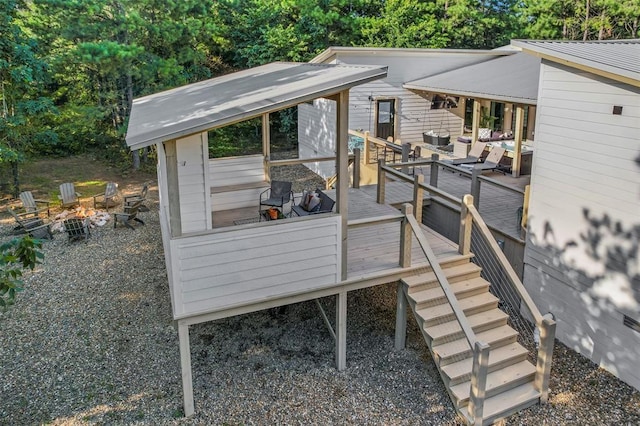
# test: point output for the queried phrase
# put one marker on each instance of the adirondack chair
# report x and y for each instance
(77, 228)
(139, 197)
(129, 214)
(108, 197)
(30, 204)
(68, 196)
(33, 225)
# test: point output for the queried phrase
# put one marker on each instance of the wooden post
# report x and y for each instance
(478, 381)
(433, 179)
(401, 318)
(525, 207)
(517, 146)
(475, 121)
(185, 364)
(475, 185)
(381, 181)
(406, 150)
(266, 146)
(545, 355)
(341, 331)
(418, 196)
(466, 225)
(367, 148)
(175, 220)
(342, 169)
(356, 168)
(405, 237)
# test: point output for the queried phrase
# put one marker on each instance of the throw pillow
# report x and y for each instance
(304, 201)
(484, 133)
(314, 203)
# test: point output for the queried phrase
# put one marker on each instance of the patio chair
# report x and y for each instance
(492, 161)
(139, 197)
(30, 204)
(128, 215)
(33, 225)
(108, 197)
(474, 156)
(276, 196)
(77, 228)
(68, 196)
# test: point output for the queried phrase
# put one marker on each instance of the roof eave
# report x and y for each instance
(469, 94)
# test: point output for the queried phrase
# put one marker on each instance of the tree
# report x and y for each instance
(16, 255)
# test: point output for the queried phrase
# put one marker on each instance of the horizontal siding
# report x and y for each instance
(244, 266)
(236, 170)
(586, 325)
(317, 135)
(191, 184)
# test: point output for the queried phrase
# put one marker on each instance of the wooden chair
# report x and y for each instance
(108, 197)
(30, 204)
(139, 197)
(68, 196)
(31, 225)
(128, 215)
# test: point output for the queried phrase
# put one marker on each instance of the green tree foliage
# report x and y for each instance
(16, 255)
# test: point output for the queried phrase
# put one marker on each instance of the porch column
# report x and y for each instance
(341, 331)
(266, 146)
(185, 364)
(342, 169)
(517, 146)
(475, 121)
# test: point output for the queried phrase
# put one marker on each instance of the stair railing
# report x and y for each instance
(470, 216)
(480, 349)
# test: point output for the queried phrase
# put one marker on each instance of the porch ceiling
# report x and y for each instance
(238, 96)
(512, 78)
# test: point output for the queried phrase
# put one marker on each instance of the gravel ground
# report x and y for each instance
(91, 341)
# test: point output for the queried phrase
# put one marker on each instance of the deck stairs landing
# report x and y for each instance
(510, 380)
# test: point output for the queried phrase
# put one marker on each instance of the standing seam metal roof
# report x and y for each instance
(617, 57)
(238, 96)
(512, 78)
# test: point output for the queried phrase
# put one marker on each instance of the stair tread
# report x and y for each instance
(466, 268)
(457, 287)
(475, 320)
(507, 403)
(496, 378)
(490, 337)
(496, 356)
(444, 309)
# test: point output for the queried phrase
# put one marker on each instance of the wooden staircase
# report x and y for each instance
(510, 379)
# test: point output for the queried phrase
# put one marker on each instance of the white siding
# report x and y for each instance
(243, 266)
(226, 172)
(317, 135)
(195, 210)
(586, 162)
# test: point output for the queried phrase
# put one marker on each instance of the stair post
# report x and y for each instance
(545, 355)
(418, 196)
(367, 148)
(406, 149)
(466, 225)
(356, 168)
(433, 178)
(478, 381)
(381, 179)
(405, 237)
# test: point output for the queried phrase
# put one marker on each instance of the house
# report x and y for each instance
(430, 91)
(216, 269)
(582, 261)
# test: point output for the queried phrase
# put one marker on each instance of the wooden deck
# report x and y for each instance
(371, 249)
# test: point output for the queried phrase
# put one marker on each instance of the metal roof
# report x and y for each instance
(330, 53)
(236, 97)
(512, 78)
(616, 59)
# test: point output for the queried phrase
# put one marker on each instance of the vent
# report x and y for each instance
(631, 323)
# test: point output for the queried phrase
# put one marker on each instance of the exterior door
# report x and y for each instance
(385, 117)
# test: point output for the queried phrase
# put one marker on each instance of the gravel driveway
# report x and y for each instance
(91, 341)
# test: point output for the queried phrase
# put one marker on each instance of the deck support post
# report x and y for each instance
(433, 178)
(356, 168)
(401, 318)
(475, 185)
(545, 355)
(466, 224)
(185, 364)
(381, 181)
(418, 196)
(341, 331)
(479, 371)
